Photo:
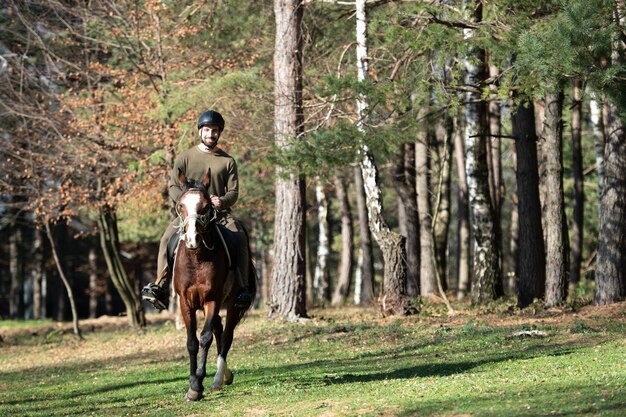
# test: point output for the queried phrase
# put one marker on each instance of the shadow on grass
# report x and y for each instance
(388, 364)
(51, 389)
(152, 379)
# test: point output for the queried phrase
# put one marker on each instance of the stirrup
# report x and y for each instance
(243, 300)
(155, 295)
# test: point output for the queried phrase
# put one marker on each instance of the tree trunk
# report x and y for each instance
(513, 253)
(288, 294)
(557, 249)
(37, 273)
(93, 284)
(531, 263)
(321, 278)
(404, 183)
(611, 263)
(66, 283)
(441, 190)
(599, 140)
(578, 221)
(109, 242)
(287, 290)
(428, 277)
(496, 183)
(393, 295)
(364, 276)
(309, 268)
(486, 264)
(16, 270)
(463, 229)
(344, 281)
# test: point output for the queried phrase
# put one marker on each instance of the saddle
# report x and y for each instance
(227, 239)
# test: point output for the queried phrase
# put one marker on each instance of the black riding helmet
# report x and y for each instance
(211, 117)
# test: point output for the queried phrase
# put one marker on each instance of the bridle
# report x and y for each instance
(203, 220)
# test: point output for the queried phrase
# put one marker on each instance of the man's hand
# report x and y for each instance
(216, 201)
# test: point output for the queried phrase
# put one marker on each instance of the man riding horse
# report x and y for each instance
(224, 191)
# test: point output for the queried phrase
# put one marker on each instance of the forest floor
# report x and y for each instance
(497, 361)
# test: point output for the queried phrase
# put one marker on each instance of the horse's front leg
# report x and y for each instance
(224, 376)
(194, 392)
(211, 313)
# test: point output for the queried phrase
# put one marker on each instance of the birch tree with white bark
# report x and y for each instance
(486, 268)
(393, 297)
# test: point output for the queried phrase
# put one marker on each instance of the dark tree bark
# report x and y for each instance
(364, 278)
(404, 183)
(60, 301)
(513, 253)
(531, 264)
(309, 268)
(611, 263)
(109, 242)
(16, 270)
(65, 281)
(38, 275)
(93, 283)
(496, 183)
(440, 180)
(557, 248)
(288, 294)
(344, 282)
(577, 223)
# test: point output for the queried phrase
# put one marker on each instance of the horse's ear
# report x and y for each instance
(182, 180)
(206, 179)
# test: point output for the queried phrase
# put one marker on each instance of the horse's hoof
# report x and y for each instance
(216, 387)
(192, 395)
(228, 378)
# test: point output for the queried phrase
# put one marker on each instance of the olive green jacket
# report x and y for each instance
(195, 162)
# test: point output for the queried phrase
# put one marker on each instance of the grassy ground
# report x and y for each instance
(340, 363)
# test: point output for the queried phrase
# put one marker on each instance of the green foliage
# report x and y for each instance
(140, 225)
(321, 152)
(575, 42)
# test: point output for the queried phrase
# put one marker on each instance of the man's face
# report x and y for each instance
(210, 135)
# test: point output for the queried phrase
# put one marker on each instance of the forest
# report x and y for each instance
(390, 153)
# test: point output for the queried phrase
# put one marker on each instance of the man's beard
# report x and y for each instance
(209, 144)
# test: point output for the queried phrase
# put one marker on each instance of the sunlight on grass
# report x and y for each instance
(333, 364)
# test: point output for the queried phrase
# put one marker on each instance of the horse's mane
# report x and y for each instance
(195, 185)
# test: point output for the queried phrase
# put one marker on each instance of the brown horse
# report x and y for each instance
(200, 275)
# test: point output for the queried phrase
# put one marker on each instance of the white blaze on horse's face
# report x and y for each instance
(191, 203)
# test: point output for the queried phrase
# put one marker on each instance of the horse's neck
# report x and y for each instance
(208, 238)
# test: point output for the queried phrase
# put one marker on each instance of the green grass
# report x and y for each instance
(342, 362)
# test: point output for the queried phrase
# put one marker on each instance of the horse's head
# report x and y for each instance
(195, 209)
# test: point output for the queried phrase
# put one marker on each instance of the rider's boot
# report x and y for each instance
(155, 293)
(243, 299)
